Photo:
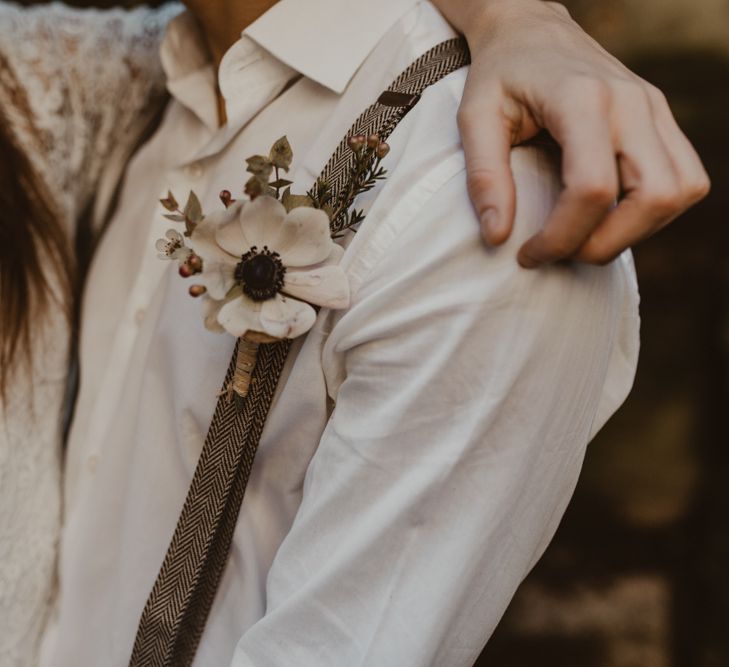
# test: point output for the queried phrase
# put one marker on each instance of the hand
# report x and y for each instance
(534, 67)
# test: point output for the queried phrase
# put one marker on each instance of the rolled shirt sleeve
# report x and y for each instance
(466, 390)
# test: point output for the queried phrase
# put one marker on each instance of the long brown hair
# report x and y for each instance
(33, 251)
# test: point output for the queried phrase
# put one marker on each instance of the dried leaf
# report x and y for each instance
(281, 154)
(260, 166)
(291, 202)
(170, 203)
(193, 209)
(175, 217)
(254, 187)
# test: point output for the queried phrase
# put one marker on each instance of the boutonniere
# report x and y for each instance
(263, 264)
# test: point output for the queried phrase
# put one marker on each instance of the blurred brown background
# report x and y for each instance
(637, 575)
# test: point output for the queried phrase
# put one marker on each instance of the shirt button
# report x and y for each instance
(194, 171)
(92, 463)
(139, 316)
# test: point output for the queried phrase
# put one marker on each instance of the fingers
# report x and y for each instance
(616, 132)
(589, 174)
(694, 182)
(621, 137)
(487, 138)
(661, 175)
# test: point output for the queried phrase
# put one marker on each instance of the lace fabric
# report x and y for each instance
(78, 88)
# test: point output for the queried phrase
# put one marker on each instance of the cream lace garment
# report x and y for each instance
(78, 88)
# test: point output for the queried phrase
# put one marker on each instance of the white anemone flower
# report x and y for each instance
(263, 267)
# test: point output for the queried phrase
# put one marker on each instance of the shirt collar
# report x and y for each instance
(326, 40)
(188, 69)
(248, 79)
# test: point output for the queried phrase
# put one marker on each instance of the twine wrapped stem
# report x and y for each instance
(245, 362)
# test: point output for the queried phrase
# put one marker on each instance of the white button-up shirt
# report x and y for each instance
(423, 444)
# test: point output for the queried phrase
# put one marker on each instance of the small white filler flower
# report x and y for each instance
(173, 247)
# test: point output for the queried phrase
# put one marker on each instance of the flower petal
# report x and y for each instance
(203, 240)
(218, 278)
(335, 256)
(218, 265)
(283, 317)
(174, 235)
(240, 315)
(181, 254)
(326, 286)
(304, 238)
(211, 309)
(257, 224)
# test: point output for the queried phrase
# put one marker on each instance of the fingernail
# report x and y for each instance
(525, 261)
(491, 222)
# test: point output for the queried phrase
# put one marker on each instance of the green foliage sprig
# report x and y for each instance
(191, 215)
(364, 174)
(266, 179)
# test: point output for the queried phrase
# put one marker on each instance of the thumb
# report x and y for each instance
(486, 139)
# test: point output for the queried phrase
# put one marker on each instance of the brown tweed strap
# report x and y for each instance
(176, 611)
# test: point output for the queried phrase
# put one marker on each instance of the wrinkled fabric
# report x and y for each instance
(423, 443)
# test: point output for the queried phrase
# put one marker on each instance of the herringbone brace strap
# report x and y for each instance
(176, 611)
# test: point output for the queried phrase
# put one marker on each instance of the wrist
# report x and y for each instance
(479, 21)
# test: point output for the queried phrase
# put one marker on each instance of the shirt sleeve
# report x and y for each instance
(466, 390)
(75, 88)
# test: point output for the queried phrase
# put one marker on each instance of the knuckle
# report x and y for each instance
(697, 189)
(590, 91)
(559, 7)
(656, 95)
(663, 202)
(595, 193)
(600, 256)
(631, 97)
(479, 179)
(630, 89)
(603, 259)
(557, 246)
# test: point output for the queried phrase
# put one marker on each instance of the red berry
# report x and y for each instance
(195, 263)
(197, 290)
(227, 198)
(357, 142)
(373, 141)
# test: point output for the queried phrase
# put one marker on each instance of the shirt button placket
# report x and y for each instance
(92, 463)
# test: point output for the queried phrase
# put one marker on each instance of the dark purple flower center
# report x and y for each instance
(260, 274)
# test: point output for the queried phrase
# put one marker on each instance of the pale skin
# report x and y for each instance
(534, 67)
